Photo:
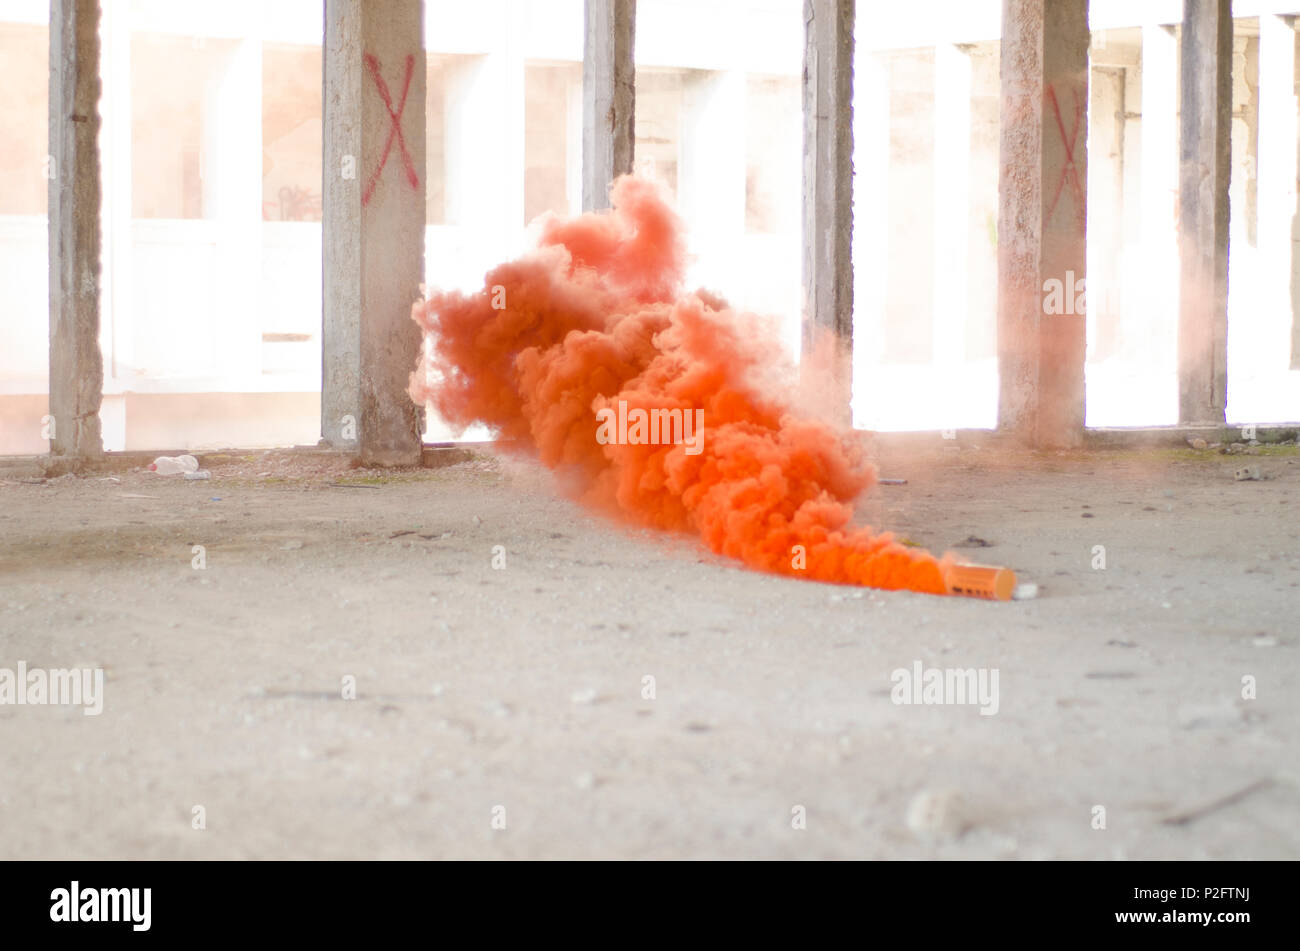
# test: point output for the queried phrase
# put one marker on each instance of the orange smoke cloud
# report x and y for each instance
(595, 319)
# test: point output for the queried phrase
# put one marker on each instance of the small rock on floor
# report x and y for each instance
(936, 815)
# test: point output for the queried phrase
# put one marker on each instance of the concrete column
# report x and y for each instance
(1276, 176)
(1205, 157)
(828, 199)
(608, 97)
(373, 230)
(952, 118)
(1244, 139)
(76, 363)
(1042, 220)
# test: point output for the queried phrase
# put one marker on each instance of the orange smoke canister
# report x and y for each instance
(980, 581)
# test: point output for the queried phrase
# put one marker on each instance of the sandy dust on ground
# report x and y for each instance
(517, 696)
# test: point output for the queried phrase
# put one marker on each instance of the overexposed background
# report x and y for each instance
(211, 151)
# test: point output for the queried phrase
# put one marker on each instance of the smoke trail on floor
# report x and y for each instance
(662, 407)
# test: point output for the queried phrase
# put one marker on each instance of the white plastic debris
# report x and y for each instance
(174, 465)
(1025, 591)
(201, 474)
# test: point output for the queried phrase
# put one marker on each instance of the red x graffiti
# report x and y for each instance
(1069, 172)
(395, 129)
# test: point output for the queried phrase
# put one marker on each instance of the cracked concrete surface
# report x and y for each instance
(523, 687)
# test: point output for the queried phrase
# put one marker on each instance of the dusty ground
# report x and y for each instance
(522, 688)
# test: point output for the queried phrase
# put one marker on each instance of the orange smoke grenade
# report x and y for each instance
(598, 314)
(979, 581)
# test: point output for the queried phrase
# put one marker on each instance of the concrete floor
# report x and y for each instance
(521, 688)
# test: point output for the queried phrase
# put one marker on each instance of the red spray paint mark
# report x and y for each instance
(395, 129)
(1069, 172)
(595, 319)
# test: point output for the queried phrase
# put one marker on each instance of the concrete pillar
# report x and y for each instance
(1042, 220)
(76, 364)
(1244, 139)
(1205, 157)
(373, 228)
(828, 200)
(608, 97)
(1276, 177)
(952, 131)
